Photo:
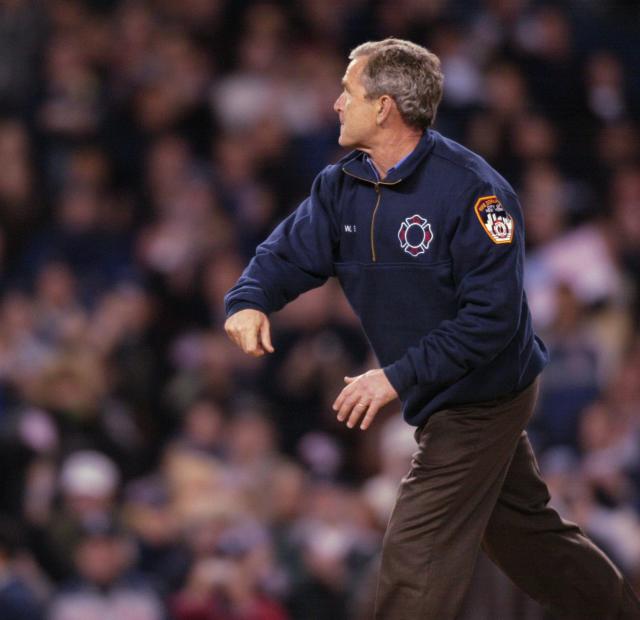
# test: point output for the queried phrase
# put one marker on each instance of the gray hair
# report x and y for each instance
(408, 73)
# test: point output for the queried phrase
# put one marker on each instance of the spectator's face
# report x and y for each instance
(101, 560)
(357, 113)
(56, 285)
(251, 439)
(79, 211)
(204, 424)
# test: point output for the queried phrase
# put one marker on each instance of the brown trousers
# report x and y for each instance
(474, 481)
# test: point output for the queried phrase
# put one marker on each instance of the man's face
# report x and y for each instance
(357, 113)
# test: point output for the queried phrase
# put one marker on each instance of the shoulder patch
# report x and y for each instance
(495, 220)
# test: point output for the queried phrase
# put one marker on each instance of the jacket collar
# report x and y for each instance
(357, 165)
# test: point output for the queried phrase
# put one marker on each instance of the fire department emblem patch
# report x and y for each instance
(415, 235)
(495, 220)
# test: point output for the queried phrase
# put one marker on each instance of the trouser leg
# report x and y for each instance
(443, 507)
(549, 558)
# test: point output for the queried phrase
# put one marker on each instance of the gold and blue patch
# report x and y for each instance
(495, 219)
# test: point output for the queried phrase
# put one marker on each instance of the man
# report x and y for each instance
(427, 241)
(105, 584)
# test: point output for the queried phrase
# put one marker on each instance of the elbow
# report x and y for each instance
(503, 330)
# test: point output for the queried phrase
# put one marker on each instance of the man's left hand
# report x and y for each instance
(364, 395)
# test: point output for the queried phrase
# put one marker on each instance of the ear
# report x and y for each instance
(385, 106)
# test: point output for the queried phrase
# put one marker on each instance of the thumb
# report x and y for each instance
(265, 336)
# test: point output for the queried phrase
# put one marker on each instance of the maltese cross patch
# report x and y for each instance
(415, 235)
(495, 220)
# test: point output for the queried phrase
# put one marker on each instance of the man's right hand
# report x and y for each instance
(251, 331)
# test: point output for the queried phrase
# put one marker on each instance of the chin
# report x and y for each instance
(344, 141)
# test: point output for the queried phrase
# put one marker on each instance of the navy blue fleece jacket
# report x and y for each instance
(431, 260)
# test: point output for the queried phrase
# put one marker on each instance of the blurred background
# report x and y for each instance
(149, 470)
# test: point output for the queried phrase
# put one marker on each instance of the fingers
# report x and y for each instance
(338, 402)
(250, 330)
(369, 411)
(353, 411)
(249, 340)
(363, 397)
(349, 399)
(371, 414)
(350, 403)
(356, 413)
(337, 405)
(265, 336)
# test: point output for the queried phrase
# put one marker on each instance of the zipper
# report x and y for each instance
(377, 185)
(373, 222)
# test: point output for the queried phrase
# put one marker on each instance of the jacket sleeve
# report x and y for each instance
(488, 277)
(297, 256)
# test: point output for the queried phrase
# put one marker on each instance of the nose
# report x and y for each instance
(338, 105)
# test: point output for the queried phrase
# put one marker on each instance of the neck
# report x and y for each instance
(391, 149)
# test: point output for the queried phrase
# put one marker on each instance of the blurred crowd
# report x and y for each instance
(149, 470)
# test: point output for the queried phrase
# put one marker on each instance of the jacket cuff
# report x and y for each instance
(401, 375)
(243, 305)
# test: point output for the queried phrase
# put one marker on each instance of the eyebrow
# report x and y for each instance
(344, 84)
